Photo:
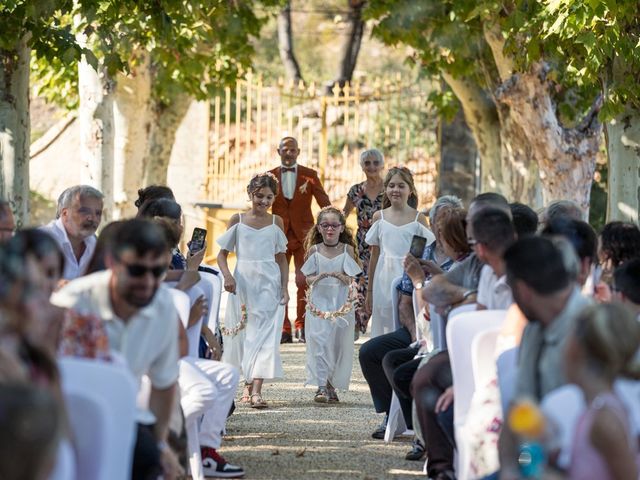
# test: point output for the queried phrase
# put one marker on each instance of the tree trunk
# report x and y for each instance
(95, 118)
(285, 44)
(458, 155)
(482, 118)
(165, 122)
(351, 47)
(132, 121)
(623, 147)
(15, 129)
(565, 157)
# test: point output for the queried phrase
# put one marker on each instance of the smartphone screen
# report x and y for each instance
(417, 246)
(197, 239)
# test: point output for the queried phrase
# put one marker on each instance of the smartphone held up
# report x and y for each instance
(198, 238)
(418, 245)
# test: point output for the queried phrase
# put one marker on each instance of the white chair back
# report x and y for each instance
(483, 362)
(462, 328)
(439, 324)
(182, 303)
(100, 386)
(215, 284)
(562, 408)
(395, 299)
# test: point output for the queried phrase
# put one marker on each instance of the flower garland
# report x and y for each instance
(352, 298)
(232, 332)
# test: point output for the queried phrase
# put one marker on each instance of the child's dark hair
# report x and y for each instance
(407, 177)
(153, 192)
(314, 236)
(263, 180)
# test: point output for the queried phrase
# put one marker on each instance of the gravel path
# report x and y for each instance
(299, 439)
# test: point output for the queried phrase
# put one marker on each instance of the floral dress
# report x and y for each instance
(365, 208)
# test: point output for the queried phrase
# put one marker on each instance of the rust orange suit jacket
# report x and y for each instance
(296, 213)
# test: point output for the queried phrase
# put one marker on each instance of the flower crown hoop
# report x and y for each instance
(233, 331)
(266, 174)
(347, 306)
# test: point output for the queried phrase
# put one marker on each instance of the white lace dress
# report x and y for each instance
(394, 242)
(256, 349)
(329, 342)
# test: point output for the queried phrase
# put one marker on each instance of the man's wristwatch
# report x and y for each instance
(468, 293)
(419, 285)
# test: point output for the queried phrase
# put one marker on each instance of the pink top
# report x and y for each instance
(586, 461)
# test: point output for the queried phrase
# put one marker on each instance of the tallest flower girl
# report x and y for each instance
(255, 310)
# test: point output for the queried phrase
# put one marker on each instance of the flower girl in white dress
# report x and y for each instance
(390, 238)
(330, 249)
(255, 310)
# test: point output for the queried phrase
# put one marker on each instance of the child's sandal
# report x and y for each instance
(246, 394)
(257, 401)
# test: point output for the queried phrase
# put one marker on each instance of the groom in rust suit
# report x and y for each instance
(298, 185)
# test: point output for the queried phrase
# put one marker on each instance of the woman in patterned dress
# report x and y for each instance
(366, 198)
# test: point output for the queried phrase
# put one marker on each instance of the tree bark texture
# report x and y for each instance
(458, 154)
(15, 129)
(623, 146)
(565, 157)
(132, 122)
(95, 117)
(165, 122)
(351, 47)
(482, 118)
(285, 44)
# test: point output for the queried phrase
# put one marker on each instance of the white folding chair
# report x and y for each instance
(461, 330)
(395, 421)
(562, 407)
(215, 283)
(93, 386)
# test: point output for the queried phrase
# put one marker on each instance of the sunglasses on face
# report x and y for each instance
(327, 226)
(368, 163)
(136, 270)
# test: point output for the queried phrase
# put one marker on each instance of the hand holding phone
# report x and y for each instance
(418, 245)
(197, 240)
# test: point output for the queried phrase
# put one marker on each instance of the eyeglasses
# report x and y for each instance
(327, 226)
(136, 270)
(368, 163)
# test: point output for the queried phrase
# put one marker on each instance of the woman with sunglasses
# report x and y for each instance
(366, 198)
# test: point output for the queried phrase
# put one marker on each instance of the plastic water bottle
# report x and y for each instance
(532, 460)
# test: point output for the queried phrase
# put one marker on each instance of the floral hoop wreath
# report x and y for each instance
(232, 332)
(352, 297)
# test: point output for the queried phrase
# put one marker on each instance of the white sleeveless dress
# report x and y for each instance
(256, 348)
(394, 242)
(329, 342)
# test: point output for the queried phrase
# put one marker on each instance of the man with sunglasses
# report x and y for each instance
(142, 325)
(299, 185)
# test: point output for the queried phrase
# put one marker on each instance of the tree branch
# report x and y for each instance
(495, 39)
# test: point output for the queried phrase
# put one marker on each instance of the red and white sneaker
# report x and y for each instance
(213, 465)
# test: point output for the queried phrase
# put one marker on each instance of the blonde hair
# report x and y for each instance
(314, 236)
(610, 336)
(407, 177)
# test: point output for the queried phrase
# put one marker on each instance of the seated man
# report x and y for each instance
(545, 293)
(78, 217)
(141, 323)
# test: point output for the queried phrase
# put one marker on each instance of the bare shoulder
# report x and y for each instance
(422, 219)
(235, 218)
(376, 216)
(351, 251)
(606, 428)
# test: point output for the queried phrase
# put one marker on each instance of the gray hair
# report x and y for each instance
(443, 201)
(561, 209)
(67, 196)
(373, 153)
